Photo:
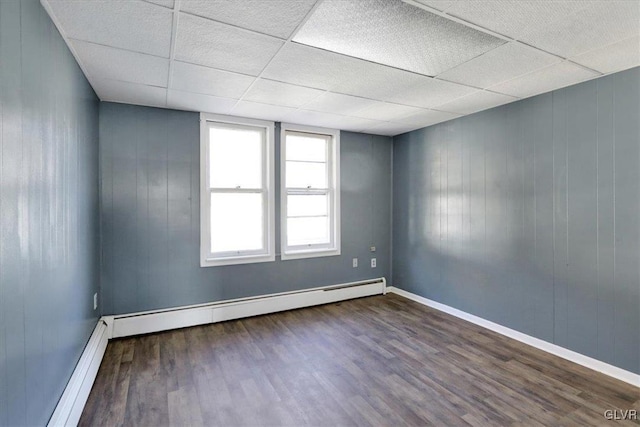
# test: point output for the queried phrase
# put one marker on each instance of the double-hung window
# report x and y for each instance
(310, 192)
(237, 191)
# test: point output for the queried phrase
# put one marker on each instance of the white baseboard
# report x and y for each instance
(580, 359)
(181, 317)
(71, 404)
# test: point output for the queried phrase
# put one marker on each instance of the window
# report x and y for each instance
(310, 192)
(237, 191)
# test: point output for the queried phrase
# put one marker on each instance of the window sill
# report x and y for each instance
(217, 262)
(312, 253)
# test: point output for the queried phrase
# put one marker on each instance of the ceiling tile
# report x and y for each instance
(385, 111)
(328, 120)
(308, 66)
(440, 5)
(257, 110)
(129, 93)
(117, 64)
(545, 80)
(277, 93)
(513, 18)
(337, 103)
(503, 63)
(402, 87)
(208, 81)
(393, 33)
(356, 124)
(477, 101)
(205, 42)
(197, 102)
(132, 25)
(615, 57)
(274, 17)
(165, 3)
(425, 118)
(390, 128)
(598, 24)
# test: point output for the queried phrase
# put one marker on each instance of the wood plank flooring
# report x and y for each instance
(381, 360)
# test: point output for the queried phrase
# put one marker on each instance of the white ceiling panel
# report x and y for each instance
(385, 111)
(205, 42)
(262, 111)
(274, 17)
(598, 24)
(129, 93)
(165, 3)
(197, 102)
(308, 66)
(615, 57)
(357, 124)
(395, 34)
(545, 80)
(277, 93)
(337, 103)
(430, 93)
(503, 63)
(514, 18)
(426, 118)
(118, 64)
(329, 120)
(384, 83)
(208, 81)
(477, 101)
(441, 5)
(133, 25)
(391, 128)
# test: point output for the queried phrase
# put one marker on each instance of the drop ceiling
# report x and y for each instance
(376, 66)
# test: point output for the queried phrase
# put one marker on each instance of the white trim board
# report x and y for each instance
(572, 356)
(76, 393)
(181, 317)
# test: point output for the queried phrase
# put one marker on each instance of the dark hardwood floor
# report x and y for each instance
(381, 360)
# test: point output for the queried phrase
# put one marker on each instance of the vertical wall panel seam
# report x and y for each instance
(597, 221)
(391, 193)
(615, 319)
(22, 149)
(3, 349)
(566, 175)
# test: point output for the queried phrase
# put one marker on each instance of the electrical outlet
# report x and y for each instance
(373, 263)
(372, 248)
(355, 263)
(95, 301)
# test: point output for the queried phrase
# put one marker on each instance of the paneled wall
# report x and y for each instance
(528, 215)
(150, 217)
(48, 213)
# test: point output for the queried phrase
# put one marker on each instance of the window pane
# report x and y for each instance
(303, 175)
(236, 222)
(308, 148)
(307, 205)
(307, 231)
(235, 157)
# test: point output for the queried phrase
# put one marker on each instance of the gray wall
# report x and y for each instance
(150, 217)
(527, 215)
(48, 213)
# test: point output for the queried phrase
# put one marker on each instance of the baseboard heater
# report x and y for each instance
(193, 315)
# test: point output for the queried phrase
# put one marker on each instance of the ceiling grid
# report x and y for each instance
(376, 66)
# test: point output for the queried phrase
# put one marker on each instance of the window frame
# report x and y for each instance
(267, 254)
(333, 189)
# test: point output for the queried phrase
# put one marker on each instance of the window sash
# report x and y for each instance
(329, 191)
(267, 250)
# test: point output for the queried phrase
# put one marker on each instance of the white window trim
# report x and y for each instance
(334, 175)
(206, 260)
